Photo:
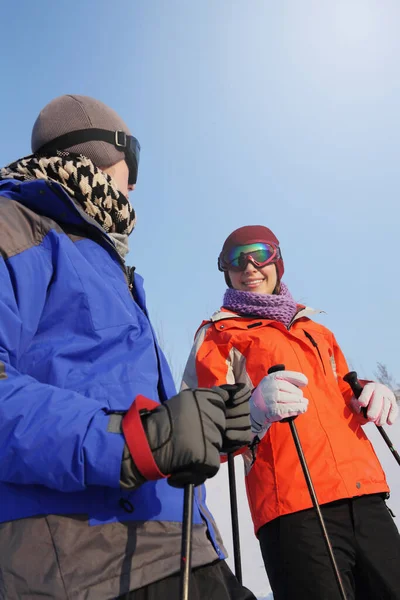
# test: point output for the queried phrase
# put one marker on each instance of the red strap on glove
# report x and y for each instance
(136, 439)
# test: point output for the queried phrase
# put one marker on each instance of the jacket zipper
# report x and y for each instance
(314, 343)
(130, 272)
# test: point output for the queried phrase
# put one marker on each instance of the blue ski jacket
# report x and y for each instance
(76, 348)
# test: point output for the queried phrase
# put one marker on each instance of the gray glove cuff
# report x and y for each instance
(130, 477)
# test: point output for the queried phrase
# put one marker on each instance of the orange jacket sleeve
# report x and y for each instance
(209, 363)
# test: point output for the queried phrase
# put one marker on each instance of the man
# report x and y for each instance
(94, 444)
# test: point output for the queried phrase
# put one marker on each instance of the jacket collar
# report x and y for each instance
(223, 313)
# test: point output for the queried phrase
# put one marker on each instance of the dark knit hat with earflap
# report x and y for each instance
(250, 234)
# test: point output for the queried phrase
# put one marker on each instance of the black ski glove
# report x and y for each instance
(180, 439)
(237, 410)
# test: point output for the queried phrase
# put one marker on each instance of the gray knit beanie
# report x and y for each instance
(72, 113)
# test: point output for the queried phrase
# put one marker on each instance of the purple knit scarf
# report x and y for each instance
(279, 307)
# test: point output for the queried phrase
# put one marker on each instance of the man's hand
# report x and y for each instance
(237, 410)
(180, 439)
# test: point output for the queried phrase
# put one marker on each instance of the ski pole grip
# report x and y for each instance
(352, 379)
(274, 369)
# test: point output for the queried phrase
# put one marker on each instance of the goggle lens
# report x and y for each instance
(260, 254)
(132, 154)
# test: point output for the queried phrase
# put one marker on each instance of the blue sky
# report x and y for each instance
(280, 113)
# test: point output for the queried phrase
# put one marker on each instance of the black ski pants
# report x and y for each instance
(211, 582)
(365, 541)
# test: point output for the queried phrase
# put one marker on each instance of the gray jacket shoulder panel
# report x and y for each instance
(21, 228)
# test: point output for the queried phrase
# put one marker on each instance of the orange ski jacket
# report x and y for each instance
(230, 349)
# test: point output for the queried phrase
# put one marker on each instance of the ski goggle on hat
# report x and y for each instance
(123, 142)
(260, 254)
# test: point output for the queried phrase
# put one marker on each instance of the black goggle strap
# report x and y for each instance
(119, 139)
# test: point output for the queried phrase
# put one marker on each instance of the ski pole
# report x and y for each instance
(186, 548)
(313, 495)
(352, 379)
(234, 517)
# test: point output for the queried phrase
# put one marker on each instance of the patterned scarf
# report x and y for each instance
(94, 190)
(279, 307)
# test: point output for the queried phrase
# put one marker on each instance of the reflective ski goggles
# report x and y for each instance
(259, 254)
(128, 144)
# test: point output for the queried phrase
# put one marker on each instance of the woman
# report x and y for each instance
(260, 326)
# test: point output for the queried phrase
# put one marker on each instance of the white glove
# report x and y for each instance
(277, 397)
(380, 403)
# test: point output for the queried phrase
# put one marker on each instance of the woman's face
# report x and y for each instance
(252, 279)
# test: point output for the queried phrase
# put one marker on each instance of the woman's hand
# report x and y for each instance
(379, 403)
(277, 396)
